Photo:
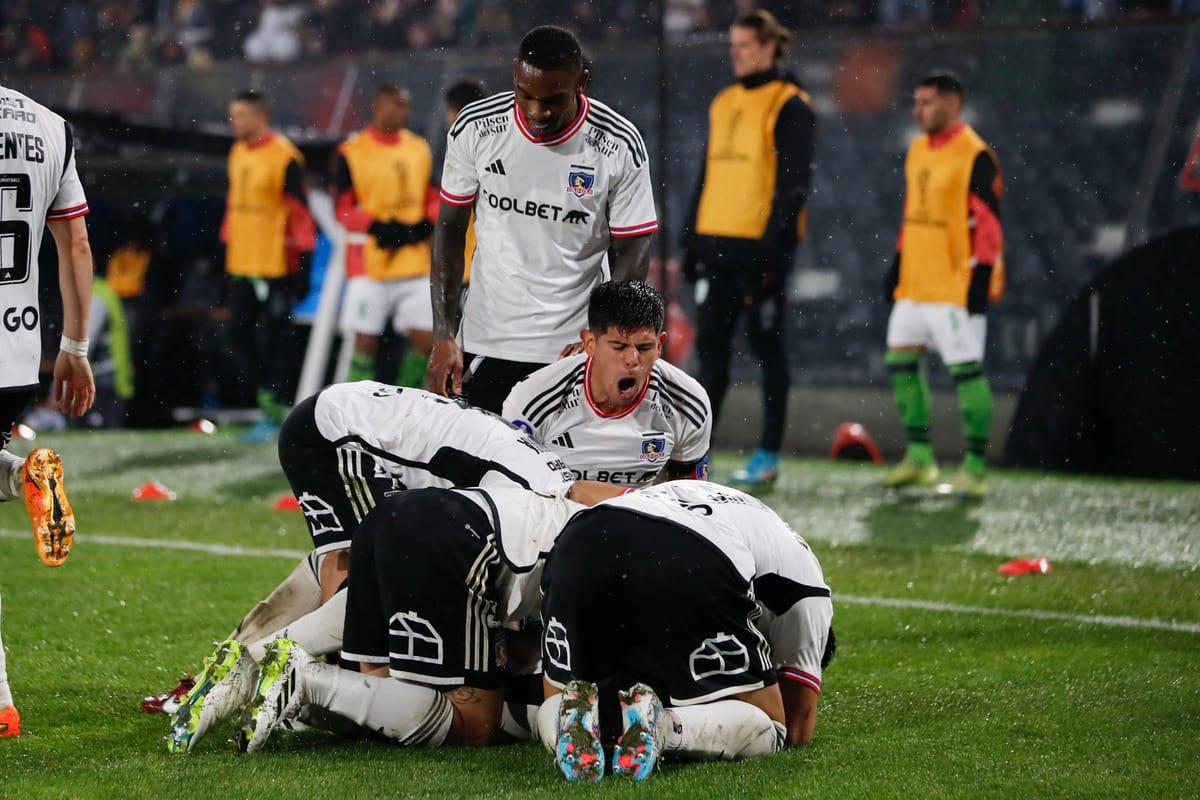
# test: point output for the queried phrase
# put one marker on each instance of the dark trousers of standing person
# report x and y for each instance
(263, 339)
(742, 290)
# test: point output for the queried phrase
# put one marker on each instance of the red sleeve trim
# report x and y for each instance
(68, 213)
(800, 676)
(633, 230)
(458, 199)
(352, 217)
(986, 237)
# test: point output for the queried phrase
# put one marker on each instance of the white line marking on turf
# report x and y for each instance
(167, 544)
(887, 602)
(1023, 613)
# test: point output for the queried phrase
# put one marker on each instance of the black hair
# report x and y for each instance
(626, 306)
(391, 89)
(549, 47)
(256, 99)
(945, 81)
(463, 93)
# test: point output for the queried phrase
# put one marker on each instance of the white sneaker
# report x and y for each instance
(278, 695)
(638, 749)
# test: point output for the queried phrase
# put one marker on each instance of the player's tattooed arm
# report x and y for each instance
(445, 286)
(630, 258)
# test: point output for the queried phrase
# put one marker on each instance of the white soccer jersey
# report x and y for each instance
(789, 585)
(38, 182)
(545, 210)
(671, 421)
(424, 441)
(526, 526)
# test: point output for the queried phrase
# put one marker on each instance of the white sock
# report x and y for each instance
(5, 693)
(519, 720)
(726, 729)
(412, 715)
(546, 729)
(12, 476)
(299, 594)
(319, 632)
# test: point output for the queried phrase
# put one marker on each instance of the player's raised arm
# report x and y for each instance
(445, 286)
(74, 386)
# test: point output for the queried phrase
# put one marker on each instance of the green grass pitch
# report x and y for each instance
(950, 681)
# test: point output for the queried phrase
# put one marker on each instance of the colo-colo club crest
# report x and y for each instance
(580, 183)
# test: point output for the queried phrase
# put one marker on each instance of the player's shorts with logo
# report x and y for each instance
(368, 304)
(957, 336)
(336, 486)
(420, 599)
(633, 598)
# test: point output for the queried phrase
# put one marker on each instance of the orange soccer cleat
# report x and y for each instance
(10, 722)
(49, 510)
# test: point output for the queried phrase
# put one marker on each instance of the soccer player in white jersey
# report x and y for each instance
(617, 413)
(735, 646)
(560, 187)
(39, 189)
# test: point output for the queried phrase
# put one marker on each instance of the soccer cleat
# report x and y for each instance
(10, 722)
(637, 751)
(260, 432)
(910, 473)
(168, 702)
(578, 751)
(963, 485)
(762, 468)
(223, 686)
(49, 510)
(278, 695)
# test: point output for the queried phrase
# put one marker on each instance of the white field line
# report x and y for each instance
(887, 602)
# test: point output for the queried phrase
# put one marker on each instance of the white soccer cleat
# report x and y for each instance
(278, 696)
(223, 686)
(638, 749)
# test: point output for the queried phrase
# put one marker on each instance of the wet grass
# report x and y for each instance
(920, 702)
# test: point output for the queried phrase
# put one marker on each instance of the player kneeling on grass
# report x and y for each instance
(343, 450)
(689, 594)
(433, 574)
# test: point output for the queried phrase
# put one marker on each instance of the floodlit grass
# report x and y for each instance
(929, 702)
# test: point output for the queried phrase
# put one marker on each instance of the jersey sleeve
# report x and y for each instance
(460, 179)
(798, 638)
(694, 418)
(515, 408)
(631, 201)
(69, 201)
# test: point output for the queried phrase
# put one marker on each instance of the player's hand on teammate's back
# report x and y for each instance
(445, 368)
(574, 348)
(74, 386)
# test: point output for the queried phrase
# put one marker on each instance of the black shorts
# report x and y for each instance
(421, 570)
(13, 403)
(336, 486)
(632, 598)
(487, 381)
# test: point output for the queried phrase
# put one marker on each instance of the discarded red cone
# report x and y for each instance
(287, 503)
(204, 426)
(23, 431)
(1025, 566)
(851, 440)
(153, 491)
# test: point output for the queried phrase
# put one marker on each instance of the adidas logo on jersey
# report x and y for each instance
(496, 168)
(563, 441)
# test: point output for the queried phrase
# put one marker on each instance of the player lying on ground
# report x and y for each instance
(616, 412)
(352, 444)
(434, 572)
(689, 594)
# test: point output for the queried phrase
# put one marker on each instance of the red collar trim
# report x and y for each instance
(385, 138)
(623, 412)
(566, 133)
(942, 138)
(260, 141)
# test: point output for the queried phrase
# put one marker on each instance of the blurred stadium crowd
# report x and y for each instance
(138, 35)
